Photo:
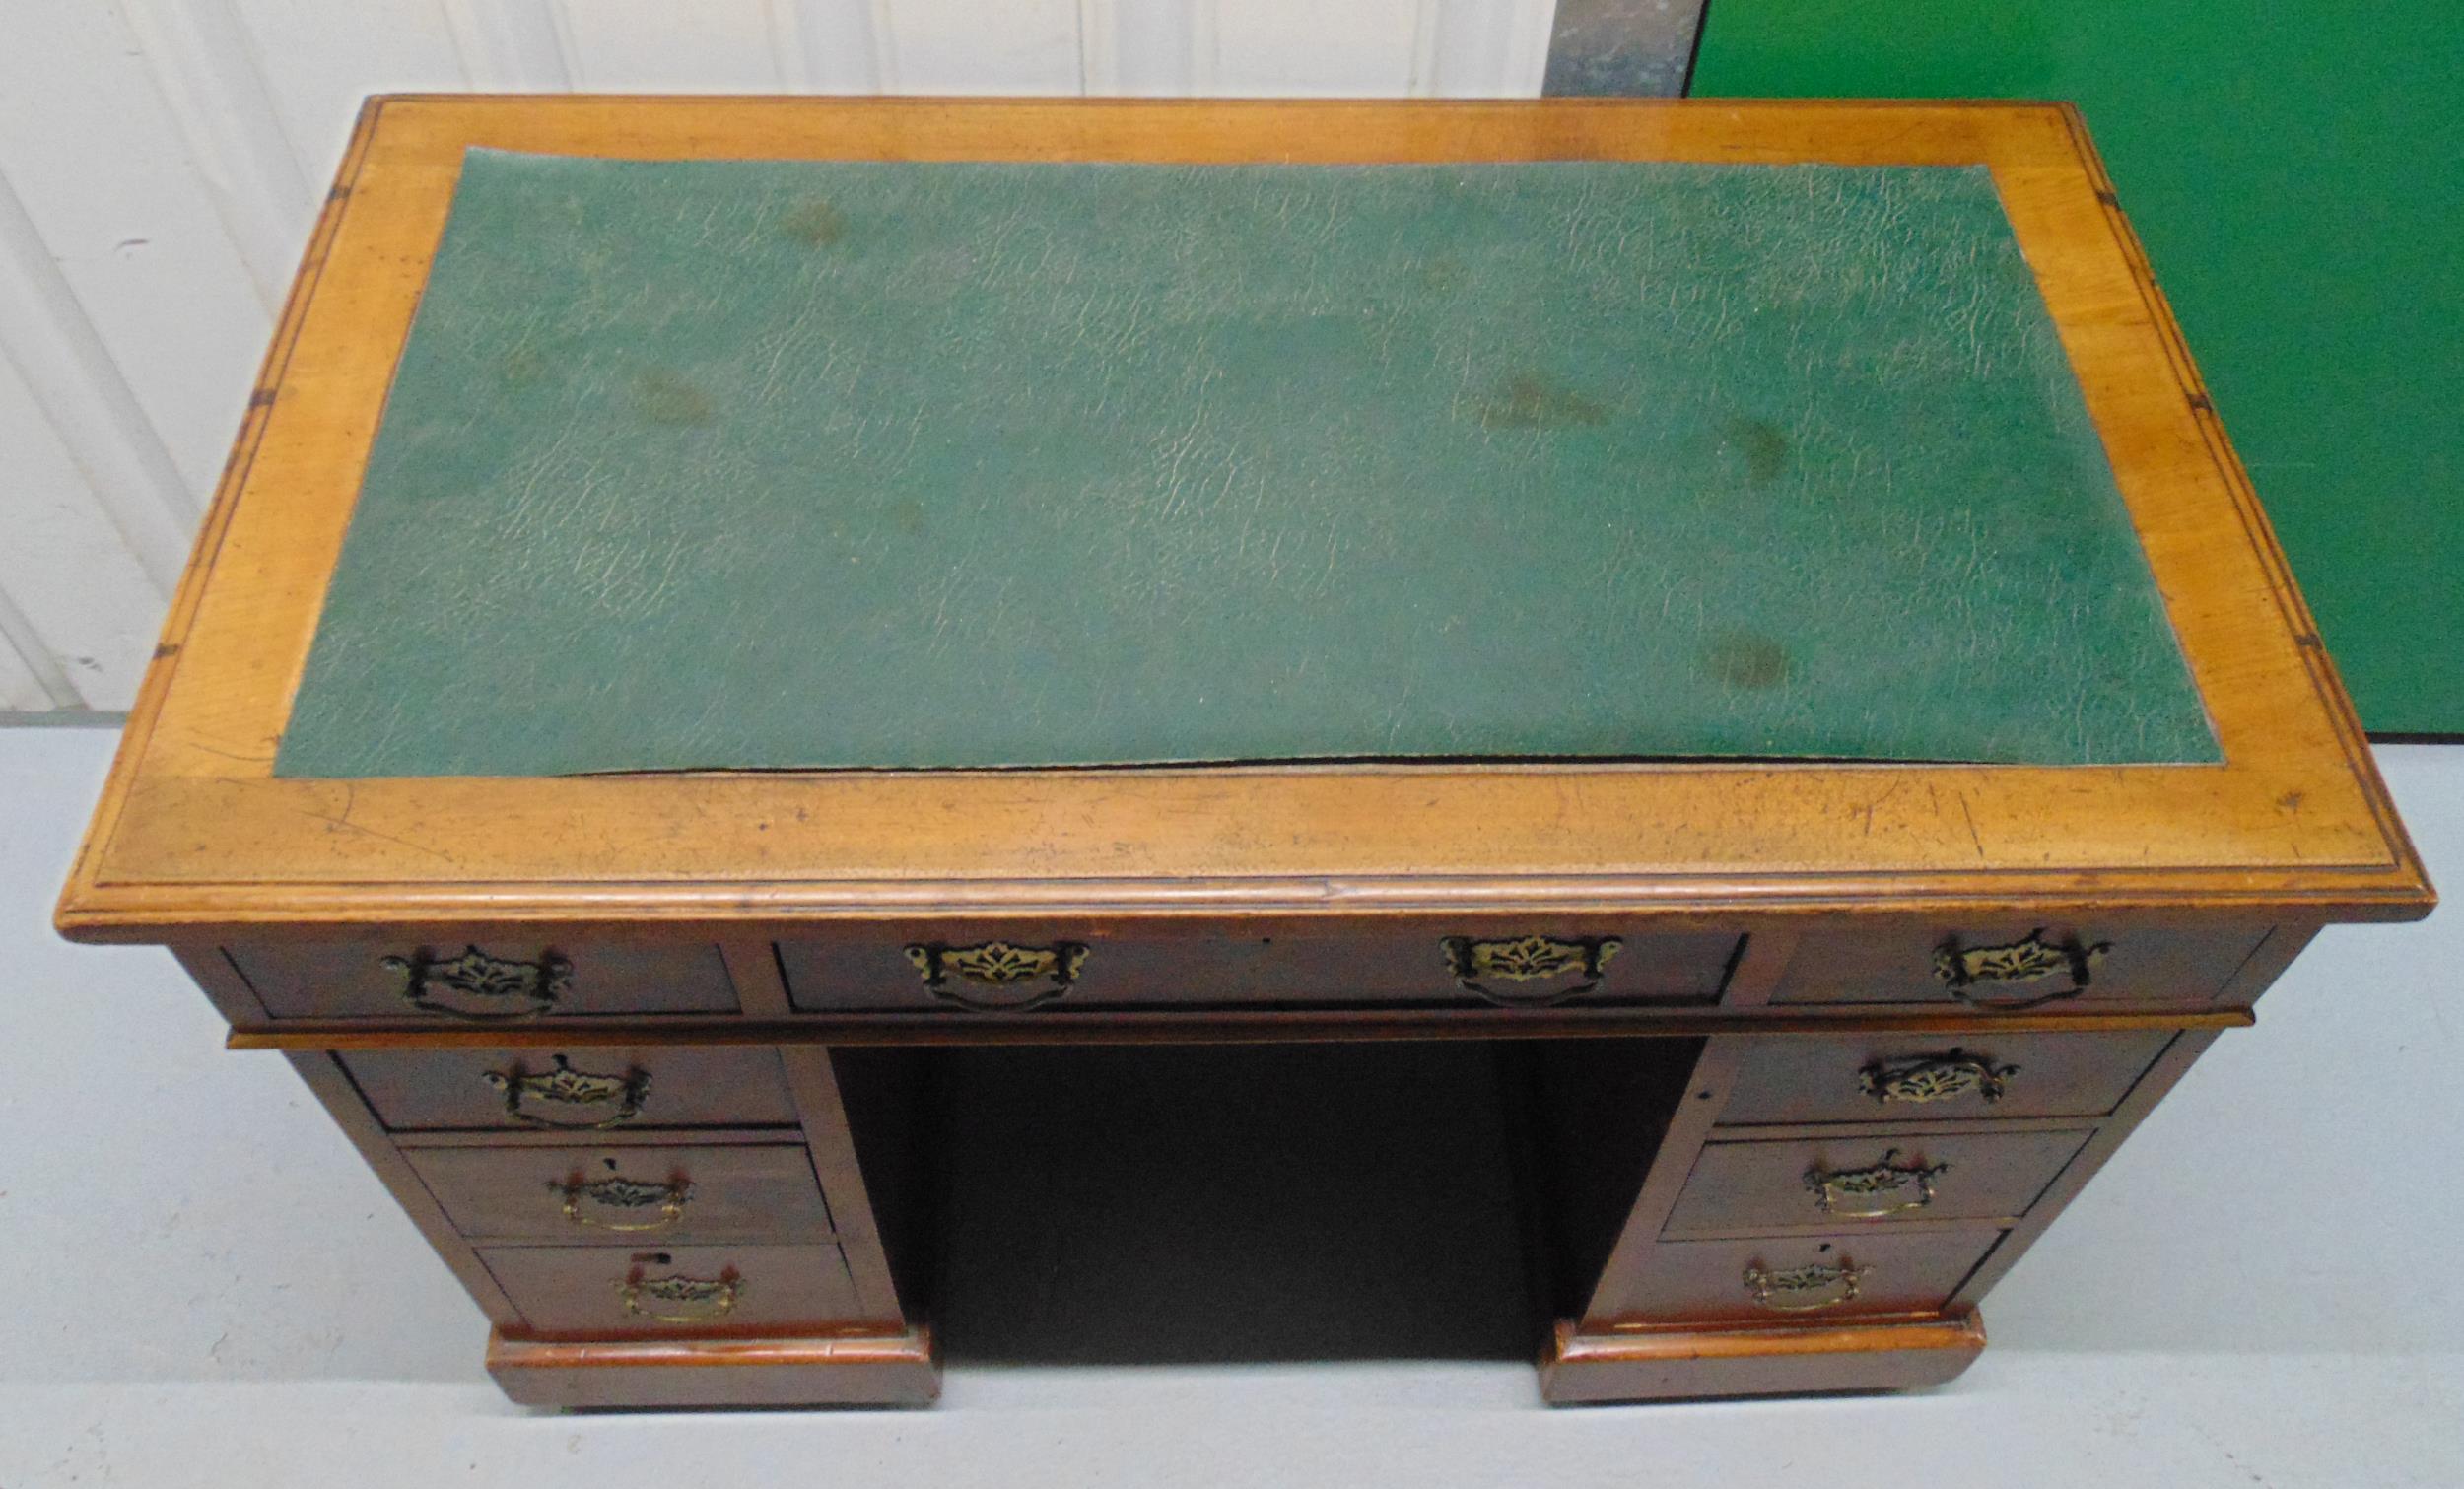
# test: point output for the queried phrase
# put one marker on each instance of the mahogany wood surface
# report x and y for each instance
(1774, 1185)
(813, 1081)
(732, 1193)
(1895, 1355)
(351, 979)
(898, 1369)
(2049, 1075)
(578, 1292)
(1196, 966)
(1162, 1027)
(2138, 961)
(1903, 1271)
(417, 1089)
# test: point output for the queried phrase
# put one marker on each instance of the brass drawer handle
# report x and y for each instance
(1875, 1184)
(703, 1298)
(498, 990)
(1001, 964)
(620, 1193)
(1936, 1078)
(2031, 957)
(563, 1086)
(1527, 959)
(1768, 1288)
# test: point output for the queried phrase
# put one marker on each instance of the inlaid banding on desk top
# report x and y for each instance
(793, 464)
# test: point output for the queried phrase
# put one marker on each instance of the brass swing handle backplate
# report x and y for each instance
(480, 987)
(1936, 1078)
(1478, 965)
(1971, 971)
(563, 1086)
(702, 1299)
(949, 971)
(1772, 1290)
(1882, 1187)
(620, 1193)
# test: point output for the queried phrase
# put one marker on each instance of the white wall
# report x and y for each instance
(161, 162)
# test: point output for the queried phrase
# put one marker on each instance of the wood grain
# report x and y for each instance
(866, 1368)
(1893, 1355)
(193, 832)
(1150, 1027)
(575, 1291)
(1764, 1187)
(2050, 1075)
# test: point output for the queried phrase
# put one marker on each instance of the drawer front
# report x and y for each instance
(2016, 964)
(607, 1292)
(482, 981)
(1807, 1278)
(1900, 1078)
(1871, 1178)
(1067, 968)
(582, 1089)
(633, 1196)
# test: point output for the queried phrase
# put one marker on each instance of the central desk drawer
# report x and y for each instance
(578, 1089)
(1870, 1179)
(1917, 1077)
(1062, 969)
(630, 1195)
(605, 1292)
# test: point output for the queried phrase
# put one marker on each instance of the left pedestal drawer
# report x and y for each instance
(579, 1087)
(609, 1292)
(634, 1195)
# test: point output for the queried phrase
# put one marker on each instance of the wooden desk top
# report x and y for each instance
(196, 834)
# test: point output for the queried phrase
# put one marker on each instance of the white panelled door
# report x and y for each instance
(161, 162)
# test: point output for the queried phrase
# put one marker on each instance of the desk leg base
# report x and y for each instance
(858, 1370)
(1756, 1360)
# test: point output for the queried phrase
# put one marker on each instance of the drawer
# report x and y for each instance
(1067, 968)
(2015, 964)
(484, 981)
(582, 1089)
(1871, 1177)
(1915, 1077)
(607, 1292)
(632, 1196)
(1799, 1277)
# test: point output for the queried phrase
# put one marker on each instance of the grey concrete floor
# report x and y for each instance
(203, 1286)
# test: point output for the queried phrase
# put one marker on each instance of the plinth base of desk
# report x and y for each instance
(858, 1370)
(1756, 1360)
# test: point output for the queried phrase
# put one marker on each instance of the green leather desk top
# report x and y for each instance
(738, 464)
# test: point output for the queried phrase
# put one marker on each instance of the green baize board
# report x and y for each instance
(727, 465)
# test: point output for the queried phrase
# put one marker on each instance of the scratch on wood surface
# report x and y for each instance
(1969, 818)
(343, 820)
(1866, 812)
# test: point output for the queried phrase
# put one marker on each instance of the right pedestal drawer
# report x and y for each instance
(1904, 1077)
(1871, 1178)
(1799, 1277)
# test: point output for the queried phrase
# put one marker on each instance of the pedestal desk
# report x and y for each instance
(1718, 648)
